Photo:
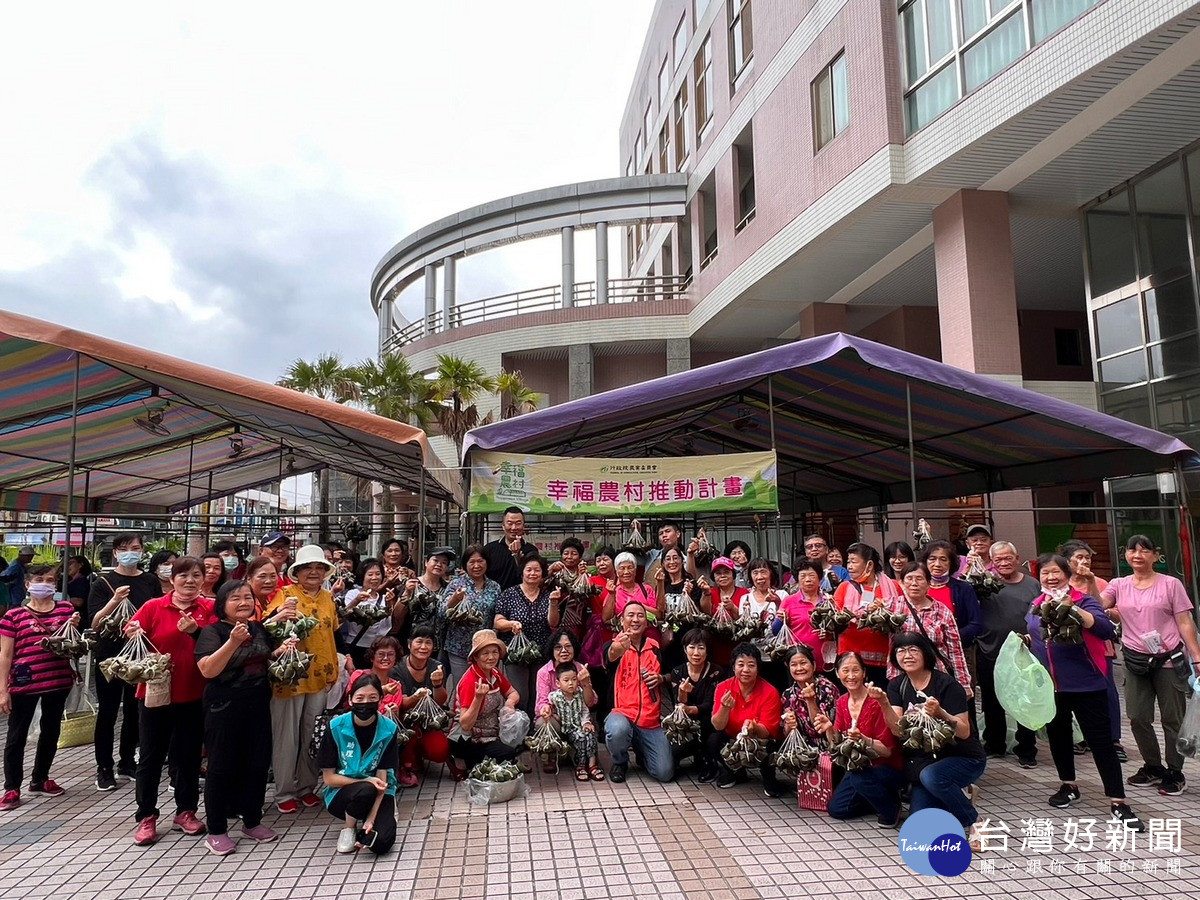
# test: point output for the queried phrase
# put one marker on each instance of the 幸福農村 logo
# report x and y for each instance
(932, 842)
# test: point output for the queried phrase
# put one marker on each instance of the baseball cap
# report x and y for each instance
(723, 562)
(274, 537)
(979, 529)
(447, 552)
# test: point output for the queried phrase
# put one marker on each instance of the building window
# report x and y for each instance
(741, 40)
(682, 137)
(704, 88)
(639, 145)
(664, 148)
(664, 83)
(680, 42)
(995, 51)
(647, 127)
(743, 156)
(831, 101)
(1068, 347)
(707, 197)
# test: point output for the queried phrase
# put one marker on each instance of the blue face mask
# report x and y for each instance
(230, 563)
(129, 559)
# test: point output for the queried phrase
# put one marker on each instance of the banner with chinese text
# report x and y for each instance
(599, 486)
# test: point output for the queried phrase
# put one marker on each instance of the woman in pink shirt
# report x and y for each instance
(1156, 620)
(796, 610)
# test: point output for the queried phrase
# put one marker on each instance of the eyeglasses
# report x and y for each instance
(820, 546)
(907, 651)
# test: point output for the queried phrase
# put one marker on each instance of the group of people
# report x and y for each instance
(497, 633)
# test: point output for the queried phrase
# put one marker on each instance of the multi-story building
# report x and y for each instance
(1012, 186)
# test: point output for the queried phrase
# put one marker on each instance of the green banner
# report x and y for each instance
(731, 482)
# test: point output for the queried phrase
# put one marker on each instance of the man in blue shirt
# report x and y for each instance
(817, 550)
(14, 576)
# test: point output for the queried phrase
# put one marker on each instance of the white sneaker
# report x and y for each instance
(346, 840)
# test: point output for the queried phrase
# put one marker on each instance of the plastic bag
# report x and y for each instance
(1023, 686)
(514, 725)
(681, 729)
(484, 793)
(1188, 742)
(796, 755)
(778, 646)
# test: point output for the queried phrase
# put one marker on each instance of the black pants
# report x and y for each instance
(115, 698)
(1091, 710)
(717, 741)
(995, 722)
(178, 729)
(237, 734)
(24, 707)
(473, 753)
(603, 688)
(355, 800)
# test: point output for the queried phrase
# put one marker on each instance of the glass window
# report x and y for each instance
(1174, 357)
(912, 21)
(682, 136)
(1193, 162)
(1110, 246)
(1132, 406)
(664, 83)
(647, 125)
(1118, 327)
(1051, 15)
(940, 27)
(704, 86)
(932, 98)
(681, 41)
(1162, 223)
(1004, 44)
(1170, 310)
(974, 16)
(741, 37)
(1121, 371)
(664, 148)
(1178, 405)
(831, 101)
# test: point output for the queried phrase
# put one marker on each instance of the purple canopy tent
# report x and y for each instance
(854, 423)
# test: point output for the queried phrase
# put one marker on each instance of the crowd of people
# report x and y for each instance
(278, 675)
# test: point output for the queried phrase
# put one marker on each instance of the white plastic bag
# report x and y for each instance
(514, 725)
(485, 793)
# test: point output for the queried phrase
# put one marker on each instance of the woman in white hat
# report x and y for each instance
(294, 708)
(480, 694)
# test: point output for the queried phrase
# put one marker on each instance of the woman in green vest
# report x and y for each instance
(358, 759)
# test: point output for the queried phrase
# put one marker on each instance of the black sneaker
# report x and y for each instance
(885, 822)
(772, 788)
(1081, 748)
(1122, 813)
(1146, 776)
(617, 775)
(1122, 756)
(127, 771)
(707, 775)
(726, 779)
(1027, 762)
(1173, 783)
(1064, 797)
(105, 780)
(997, 754)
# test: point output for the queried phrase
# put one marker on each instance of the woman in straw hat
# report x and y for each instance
(481, 694)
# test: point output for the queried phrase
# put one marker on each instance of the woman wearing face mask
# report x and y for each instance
(695, 681)
(215, 574)
(117, 698)
(725, 594)
(868, 588)
(932, 620)
(160, 567)
(958, 596)
(231, 557)
(358, 760)
(172, 624)
(233, 654)
(295, 707)
(29, 676)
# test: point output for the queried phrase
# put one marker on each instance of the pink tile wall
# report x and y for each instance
(1038, 358)
(546, 376)
(609, 372)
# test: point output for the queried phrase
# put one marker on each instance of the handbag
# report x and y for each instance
(158, 691)
(814, 789)
(936, 649)
(79, 723)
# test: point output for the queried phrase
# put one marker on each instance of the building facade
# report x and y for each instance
(1010, 186)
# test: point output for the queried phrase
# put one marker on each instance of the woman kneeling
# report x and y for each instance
(358, 761)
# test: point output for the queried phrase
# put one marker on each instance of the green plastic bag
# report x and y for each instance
(1023, 686)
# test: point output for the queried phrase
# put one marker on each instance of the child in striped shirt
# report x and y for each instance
(575, 722)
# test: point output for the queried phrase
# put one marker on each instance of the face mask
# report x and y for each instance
(129, 559)
(164, 572)
(41, 591)
(364, 711)
(230, 562)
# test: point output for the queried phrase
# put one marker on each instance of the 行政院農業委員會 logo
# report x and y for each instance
(932, 842)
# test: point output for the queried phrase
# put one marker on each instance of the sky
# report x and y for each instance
(218, 182)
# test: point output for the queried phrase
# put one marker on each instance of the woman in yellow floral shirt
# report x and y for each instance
(294, 708)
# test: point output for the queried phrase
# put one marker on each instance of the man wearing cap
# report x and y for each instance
(816, 548)
(979, 543)
(635, 669)
(506, 556)
(16, 575)
(277, 547)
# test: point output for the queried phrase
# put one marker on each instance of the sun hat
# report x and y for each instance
(485, 637)
(306, 556)
(723, 562)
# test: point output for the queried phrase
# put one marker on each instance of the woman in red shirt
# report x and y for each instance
(745, 701)
(861, 716)
(868, 586)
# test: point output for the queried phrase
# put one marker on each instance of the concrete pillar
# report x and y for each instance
(579, 371)
(822, 318)
(677, 238)
(977, 293)
(568, 267)
(601, 262)
(430, 299)
(449, 287)
(387, 311)
(679, 355)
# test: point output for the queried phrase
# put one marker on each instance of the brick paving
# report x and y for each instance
(570, 840)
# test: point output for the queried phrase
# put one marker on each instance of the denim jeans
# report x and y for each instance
(877, 788)
(651, 745)
(940, 786)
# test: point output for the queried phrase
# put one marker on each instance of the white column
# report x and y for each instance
(601, 262)
(430, 299)
(387, 307)
(449, 286)
(568, 267)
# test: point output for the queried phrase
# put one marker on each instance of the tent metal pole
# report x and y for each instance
(71, 473)
(912, 459)
(208, 513)
(420, 541)
(778, 526)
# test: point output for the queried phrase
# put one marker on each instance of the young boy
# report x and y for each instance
(575, 722)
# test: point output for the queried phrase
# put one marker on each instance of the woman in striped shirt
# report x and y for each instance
(30, 675)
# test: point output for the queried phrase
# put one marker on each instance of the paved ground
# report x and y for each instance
(567, 840)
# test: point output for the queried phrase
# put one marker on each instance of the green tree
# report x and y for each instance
(325, 377)
(457, 384)
(515, 396)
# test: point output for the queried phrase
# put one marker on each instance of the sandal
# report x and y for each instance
(458, 769)
(581, 773)
(596, 773)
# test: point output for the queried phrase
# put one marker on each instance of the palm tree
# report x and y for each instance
(515, 394)
(327, 378)
(456, 384)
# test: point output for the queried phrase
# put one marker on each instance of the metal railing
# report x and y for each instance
(648, 289)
